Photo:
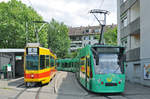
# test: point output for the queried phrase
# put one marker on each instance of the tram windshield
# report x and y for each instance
(32, 62)
(108, 63)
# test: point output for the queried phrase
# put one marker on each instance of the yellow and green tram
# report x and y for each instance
(39, 65)
(101, 68)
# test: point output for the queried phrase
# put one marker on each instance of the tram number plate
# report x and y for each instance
(110, 84)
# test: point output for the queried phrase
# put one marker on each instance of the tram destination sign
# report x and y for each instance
(108, 50)
(32, 51)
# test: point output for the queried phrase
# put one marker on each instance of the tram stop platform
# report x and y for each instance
(11, 83)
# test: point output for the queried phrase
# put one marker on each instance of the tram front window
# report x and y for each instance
(108, 63)
(32, 62)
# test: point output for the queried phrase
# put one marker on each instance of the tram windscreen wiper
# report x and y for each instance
(116, 69)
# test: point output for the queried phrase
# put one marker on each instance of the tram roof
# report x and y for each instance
(12, 50)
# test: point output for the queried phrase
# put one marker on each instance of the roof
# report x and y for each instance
(11, 50)
(89, 30)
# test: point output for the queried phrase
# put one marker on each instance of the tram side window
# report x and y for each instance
(82, 62)
(47, 61)
(52, 61)
(42, 61)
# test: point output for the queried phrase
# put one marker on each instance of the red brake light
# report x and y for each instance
(119, 82)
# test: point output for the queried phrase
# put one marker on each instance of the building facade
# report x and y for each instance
(133, 33)
(81, 36)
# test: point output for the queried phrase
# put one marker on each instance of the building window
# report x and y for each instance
(124, 22)
(96, 30)
(124, 43)
(77, 38)
(91, 37)
(124, 19)
(86, 38)
(80, 38)
(137, 69)
(87, 31)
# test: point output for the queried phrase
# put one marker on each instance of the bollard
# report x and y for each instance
(2, 76)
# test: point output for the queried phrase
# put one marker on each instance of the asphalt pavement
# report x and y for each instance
(65, 86)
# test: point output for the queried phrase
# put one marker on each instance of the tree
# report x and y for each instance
(110, 36)
(58, 39)
(13, 18)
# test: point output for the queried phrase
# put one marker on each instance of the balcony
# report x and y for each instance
(75, 48)
(131, 29)
(126, 5)
(74, 42)
(133, 55)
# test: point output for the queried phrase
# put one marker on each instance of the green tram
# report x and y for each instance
(101, 68)
(69, 65)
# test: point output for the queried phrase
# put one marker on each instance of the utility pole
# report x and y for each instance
(38, 30)
(26, 32)
(102, 22)
(35, 29)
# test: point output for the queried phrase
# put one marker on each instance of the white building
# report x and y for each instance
(133, 32)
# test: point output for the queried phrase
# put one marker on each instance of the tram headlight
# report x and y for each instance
(32, 76)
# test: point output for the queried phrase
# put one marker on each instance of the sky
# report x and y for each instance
(73, 12)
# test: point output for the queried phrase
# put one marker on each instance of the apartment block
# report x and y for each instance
(81, 36)
(133, 33)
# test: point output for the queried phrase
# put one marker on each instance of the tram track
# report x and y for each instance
(20, 93)
(51, 84)
(25, 90)
(37, 94)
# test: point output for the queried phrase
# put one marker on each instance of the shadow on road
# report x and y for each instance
(68, 88)
(16, 82)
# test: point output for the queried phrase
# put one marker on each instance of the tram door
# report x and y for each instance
(86, 72)
(87, 78)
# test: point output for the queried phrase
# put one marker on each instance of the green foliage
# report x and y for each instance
(13, 18)
(110, 36)
(73, 54)
(58, 40)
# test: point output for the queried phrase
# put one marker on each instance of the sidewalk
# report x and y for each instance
(12, 83)
(134, 88)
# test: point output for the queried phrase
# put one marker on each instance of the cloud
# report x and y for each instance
(72, 12)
